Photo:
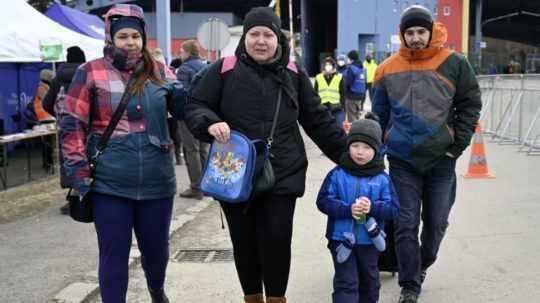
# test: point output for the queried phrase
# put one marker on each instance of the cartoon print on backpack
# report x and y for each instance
(226, 166)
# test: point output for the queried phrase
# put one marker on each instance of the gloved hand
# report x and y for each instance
(377, 235)
(343, 250)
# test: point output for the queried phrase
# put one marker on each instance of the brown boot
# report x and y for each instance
(276, 300)
(256, 298)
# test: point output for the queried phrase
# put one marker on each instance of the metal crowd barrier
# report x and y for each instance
(511, 110)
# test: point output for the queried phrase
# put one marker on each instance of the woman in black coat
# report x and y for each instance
(241, 94)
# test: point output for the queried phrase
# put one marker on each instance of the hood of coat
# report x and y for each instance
(281, 59)
(439, 36)
(123, 10)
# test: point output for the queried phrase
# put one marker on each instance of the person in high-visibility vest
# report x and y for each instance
(329, 86)
(370, 66)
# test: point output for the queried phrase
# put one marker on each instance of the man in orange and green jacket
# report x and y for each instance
(429, 102)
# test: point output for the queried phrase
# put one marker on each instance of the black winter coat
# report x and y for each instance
(64, 74)
(245, 98)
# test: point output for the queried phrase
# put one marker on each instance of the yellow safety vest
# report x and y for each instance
(370, 70)
(328, 93)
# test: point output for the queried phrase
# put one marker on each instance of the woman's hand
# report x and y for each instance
(220, 131)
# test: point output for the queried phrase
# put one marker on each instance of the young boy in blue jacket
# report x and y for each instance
(358, 188)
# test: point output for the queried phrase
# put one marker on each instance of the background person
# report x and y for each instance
(45, 78)
(329, 86)
(370, 66)
(341, 62)
(195, 151)
(53, 102)
(355, 87)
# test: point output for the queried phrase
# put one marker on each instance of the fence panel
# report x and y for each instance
(511, 110)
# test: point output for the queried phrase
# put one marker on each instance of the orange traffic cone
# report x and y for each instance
(478, 168)
(346, 126)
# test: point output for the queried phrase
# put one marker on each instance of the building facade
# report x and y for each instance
(372, 26)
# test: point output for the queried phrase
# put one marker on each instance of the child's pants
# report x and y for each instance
(357, 279)
(115, 218)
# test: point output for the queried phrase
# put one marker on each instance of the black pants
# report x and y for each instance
(262, 242)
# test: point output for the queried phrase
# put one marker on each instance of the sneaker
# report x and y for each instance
(423, 275)
(192, 194)
(408, 297)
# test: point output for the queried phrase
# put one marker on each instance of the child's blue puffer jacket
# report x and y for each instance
(340, 190)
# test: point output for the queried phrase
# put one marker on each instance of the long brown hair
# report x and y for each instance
(150, 71)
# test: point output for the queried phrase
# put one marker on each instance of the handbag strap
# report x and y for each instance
(117, 115)
(270, 139)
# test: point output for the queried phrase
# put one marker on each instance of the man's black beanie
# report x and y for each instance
(262, 16)
(416, 15)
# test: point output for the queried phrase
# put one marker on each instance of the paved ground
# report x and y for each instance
(490, 253)
(44, 252)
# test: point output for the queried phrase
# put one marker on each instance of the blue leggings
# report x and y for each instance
(115, 218)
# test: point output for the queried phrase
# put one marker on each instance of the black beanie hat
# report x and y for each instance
(75, 54)
(263, 16)
(127, 22)
(366, 130)
(353, 55)
(416, 15)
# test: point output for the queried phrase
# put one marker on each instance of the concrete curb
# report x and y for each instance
(87, 289)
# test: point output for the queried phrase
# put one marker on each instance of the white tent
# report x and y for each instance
(24, 29)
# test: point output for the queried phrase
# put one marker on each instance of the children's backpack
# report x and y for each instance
(230, 168)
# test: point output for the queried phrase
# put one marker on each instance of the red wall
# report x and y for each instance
(453, 22)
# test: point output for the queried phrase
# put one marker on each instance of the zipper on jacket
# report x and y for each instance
(412, 88)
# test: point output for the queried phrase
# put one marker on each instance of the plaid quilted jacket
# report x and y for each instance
(137, 161)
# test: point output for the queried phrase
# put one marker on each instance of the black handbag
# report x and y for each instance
(81, 210)
(265, 178)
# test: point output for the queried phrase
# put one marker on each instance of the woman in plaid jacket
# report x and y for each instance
(133, 185)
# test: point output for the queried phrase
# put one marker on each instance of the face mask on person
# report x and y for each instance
(341, 62)
(328, 68)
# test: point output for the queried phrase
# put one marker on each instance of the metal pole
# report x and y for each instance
(478, 32)
(163, 25)
(303, 56)
(291, 29)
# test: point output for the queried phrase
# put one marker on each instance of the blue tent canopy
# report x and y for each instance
(86, 24)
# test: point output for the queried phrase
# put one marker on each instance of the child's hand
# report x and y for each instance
(364, 205)
(356, 210)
